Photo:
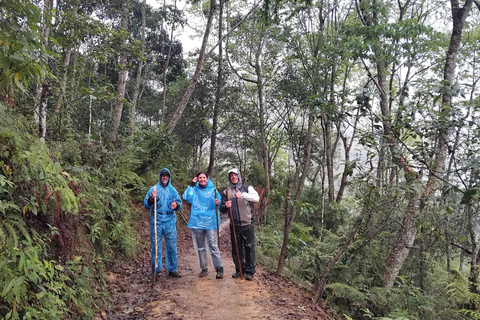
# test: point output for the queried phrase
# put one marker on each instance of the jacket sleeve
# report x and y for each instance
(146, 203)
(251, 195)
(188, 194)
(178, 201)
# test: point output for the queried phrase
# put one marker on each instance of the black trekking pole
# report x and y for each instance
(235, 237)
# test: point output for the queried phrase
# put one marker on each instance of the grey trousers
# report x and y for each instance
(204, 239)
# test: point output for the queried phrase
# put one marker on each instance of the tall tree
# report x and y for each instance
(122, 73)
(201, 57)
(140, 76)
(418, 197)
(216, 107)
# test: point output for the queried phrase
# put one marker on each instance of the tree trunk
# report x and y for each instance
(43, 88)
(283, 250)
(473, 248)
(165, 69)
(263, 140)
(213, 137)
(122, 77)
(289, 220)
(42, 124)
(138, 79)
(66, 64)
(347, 146)
(196, 75)
(90, 102)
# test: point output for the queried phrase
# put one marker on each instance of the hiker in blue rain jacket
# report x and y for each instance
(203, 221)
(168, 201)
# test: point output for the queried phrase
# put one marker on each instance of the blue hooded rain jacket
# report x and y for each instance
(203, 213)
(166, 223)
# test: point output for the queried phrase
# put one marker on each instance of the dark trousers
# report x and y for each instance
(246, 248)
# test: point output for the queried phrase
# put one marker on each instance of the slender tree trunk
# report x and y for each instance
(329, 147)
(213, 137)
(263, 140)
(63, 82)
(138, 79)
(381, 164)
(42, 125)
(165, 69)
(474, 270)
(66, 64)
(348, 169)
(301, 183)
(122, 80)
(329, 157)
(90, 102)
(283, 251)
(196, 75)
(347, 146)
(43, 88)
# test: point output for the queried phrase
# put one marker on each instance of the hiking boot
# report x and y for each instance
(174, 274)
(219, 273)
(249, 277)
(203, 273)
(152, 275)
(236, 275)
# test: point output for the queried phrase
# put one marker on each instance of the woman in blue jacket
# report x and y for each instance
(203, 221)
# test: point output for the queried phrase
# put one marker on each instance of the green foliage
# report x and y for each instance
(461, 292)
(345, 292)
(35, 288)
(108, 217)
(155, 149)
(23, 55)
(35, 187)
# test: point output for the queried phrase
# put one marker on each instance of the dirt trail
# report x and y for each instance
(191, 297)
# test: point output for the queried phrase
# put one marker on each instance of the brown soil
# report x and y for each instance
(268, 296)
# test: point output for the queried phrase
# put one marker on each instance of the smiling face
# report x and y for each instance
(202, 179)
(164, 179)
(233, 178)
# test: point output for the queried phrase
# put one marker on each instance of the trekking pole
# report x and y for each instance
(183, 216)
(156, 243)
(235, 237)
(216, 212)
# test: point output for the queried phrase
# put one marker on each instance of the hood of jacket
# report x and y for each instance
(164, 171)
(239, 183)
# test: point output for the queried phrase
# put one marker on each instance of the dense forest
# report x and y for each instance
(357, 121)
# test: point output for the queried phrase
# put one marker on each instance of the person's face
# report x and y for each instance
(233, 178)
(164, 179)
(202, 179)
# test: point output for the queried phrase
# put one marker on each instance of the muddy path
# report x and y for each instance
(268, 296)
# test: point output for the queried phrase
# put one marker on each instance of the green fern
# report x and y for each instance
(12, 227)
(346, 292)
(459, 290)
(474, 314)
